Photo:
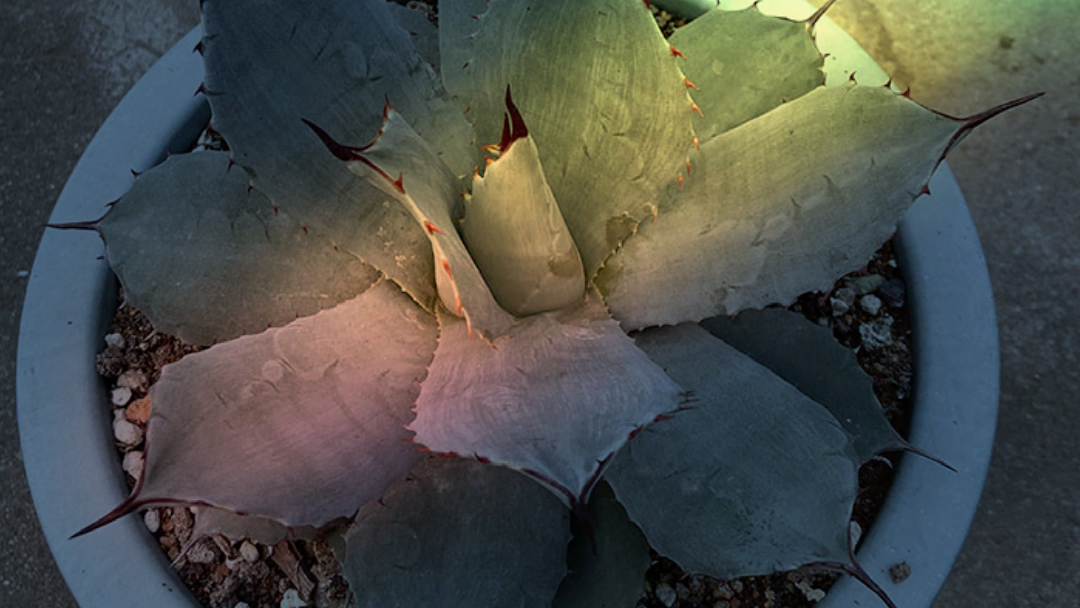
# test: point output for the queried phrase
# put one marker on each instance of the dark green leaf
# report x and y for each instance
(208, 260)
(458, 533)
(754, 478)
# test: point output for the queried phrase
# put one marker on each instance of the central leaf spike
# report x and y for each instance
(513, 124)
(515, 231)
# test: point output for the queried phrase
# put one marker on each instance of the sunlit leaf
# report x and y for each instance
(516, 232)
(743, 64)
(600, 90)
(779, 206)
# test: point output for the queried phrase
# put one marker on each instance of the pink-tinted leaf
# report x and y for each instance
(300, 424)
(553, 398)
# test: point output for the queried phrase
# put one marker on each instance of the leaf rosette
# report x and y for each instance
(416, 248)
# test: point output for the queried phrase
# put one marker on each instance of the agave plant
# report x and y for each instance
(498, 249)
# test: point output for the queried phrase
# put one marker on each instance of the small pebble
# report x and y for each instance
(114, 340)
(202, 553)
(241, 605)
(126, 433)
(292, 600)
(132, 379)
(854, 529)
(232, 563)
(152, 519)
(899, 572)
(841, 300)
(249, 551)
(870, 303)
(22, 274)
(666, 594)
(865, 284)
(138, 411)
(892, 293)
(121, 396)
(839, 307)
(134, 462)
(877, 333)
(814, 595)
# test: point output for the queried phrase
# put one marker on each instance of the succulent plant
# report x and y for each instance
(500, 249)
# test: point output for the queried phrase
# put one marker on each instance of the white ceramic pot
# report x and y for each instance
(74, 471)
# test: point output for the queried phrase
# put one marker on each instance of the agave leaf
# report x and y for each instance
(236, 527)
(807, 356)
(458, 533)
(342, 60)
(600, 90)
(754, 478)
(422, 32)
(607, 561)
(554, 398)
(687, 9)
(300, 424)
(779, 206)
(403, 165)
(515, 231)
(208, 260)
(743, 64)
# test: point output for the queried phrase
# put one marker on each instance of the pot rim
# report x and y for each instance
(74, 477)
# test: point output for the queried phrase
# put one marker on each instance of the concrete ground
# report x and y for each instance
(64, 65)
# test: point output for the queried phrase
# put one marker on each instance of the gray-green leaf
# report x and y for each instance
(807, 356)
(405, 167)
(743, 64)
(207, 260)
(779, 206)
(611, 573)
(754, 478)
(600, 90)
(335, 63)
(458, 533)
(517, 235)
